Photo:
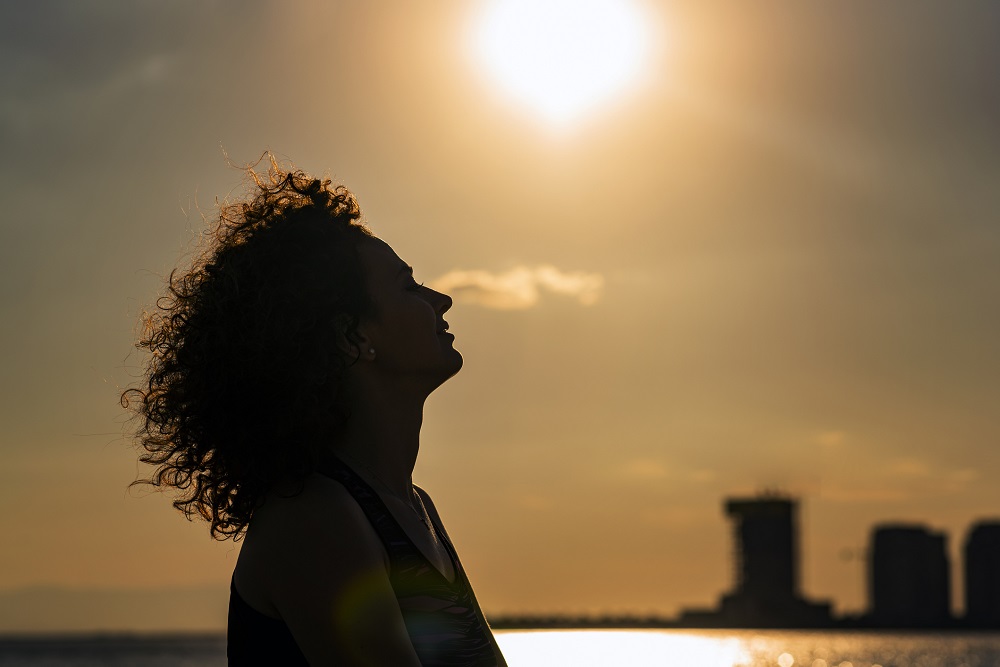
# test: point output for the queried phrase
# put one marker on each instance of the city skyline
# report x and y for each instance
(765, 591)
(908, 577)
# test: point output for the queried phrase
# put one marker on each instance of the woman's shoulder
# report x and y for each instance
(303, 560)
(293, 533)
(316, 495)
(317, 510)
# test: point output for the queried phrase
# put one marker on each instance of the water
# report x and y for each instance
(600, 648)
(722, 648)
(114, 651)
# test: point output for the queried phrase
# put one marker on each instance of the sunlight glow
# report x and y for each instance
(600, 648)
(561, 57)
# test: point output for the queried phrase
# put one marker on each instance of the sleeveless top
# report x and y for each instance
(443, 619)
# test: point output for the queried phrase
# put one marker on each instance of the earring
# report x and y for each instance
(371, 351)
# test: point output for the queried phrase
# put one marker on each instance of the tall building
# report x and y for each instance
(909, 577)
(766, 593)
(767, 559)
(982, 575)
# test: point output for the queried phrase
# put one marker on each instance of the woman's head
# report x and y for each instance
(246, 380)
(404, 343)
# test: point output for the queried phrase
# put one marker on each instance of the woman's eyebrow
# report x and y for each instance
(405, 268)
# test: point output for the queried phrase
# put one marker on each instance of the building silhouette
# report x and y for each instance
(982, 575)
(766, 593)
(767, 559)
(908, 578)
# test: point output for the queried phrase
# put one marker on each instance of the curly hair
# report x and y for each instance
(245, 381)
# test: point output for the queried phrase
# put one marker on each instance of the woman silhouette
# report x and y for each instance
(283, 402)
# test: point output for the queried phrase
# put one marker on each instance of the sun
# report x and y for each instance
(562, 57)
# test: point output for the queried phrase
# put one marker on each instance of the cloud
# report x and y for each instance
(519, 288)
(865, 493)
(702, 475)
(900, 480)
(643, 469)
(673, 516)
(957, 481)
(831, 438)
(909, 467)
(532, 502)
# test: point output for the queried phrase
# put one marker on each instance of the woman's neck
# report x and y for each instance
(384, 438)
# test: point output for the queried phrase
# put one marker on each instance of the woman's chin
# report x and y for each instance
(455, 362)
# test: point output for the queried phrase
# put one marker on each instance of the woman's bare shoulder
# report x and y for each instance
(317, 495)
(304, 559)
(294, 534)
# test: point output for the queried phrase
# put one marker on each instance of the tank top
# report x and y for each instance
(443, 619)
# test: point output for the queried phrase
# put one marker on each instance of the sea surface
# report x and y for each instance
(558, 648)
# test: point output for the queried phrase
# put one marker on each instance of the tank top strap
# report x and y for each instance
(442, 617)
(398, 545)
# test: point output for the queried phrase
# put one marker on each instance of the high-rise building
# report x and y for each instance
(909, 577)
(766, 594)
(766, 539)
(982, 575)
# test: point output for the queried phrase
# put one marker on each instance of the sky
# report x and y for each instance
(767, 261)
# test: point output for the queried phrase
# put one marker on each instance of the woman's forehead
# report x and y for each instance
(381, 256)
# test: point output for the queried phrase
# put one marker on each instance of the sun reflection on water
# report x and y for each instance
(744, 648)
(601, 648)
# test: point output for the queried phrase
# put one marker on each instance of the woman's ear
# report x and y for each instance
(352, 341)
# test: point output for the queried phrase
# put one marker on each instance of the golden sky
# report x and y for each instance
(769, 261)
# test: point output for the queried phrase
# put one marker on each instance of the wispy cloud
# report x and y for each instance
(521, 287)
(831, 438)
(909, 468)
(643, 469)
(674, 516)
(898, 480)
(863, 493)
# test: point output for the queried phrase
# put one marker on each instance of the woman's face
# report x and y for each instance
(406, 329)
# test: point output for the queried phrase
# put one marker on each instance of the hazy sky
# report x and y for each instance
(771, 262)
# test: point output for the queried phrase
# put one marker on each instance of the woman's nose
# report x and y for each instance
(445, 300)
